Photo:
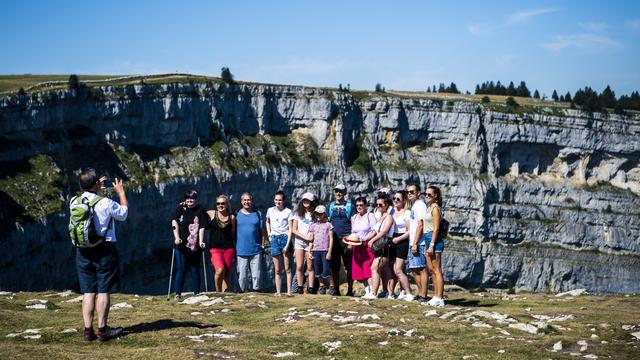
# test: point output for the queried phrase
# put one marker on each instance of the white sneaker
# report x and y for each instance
(367, 290)
(402, 295)
(369, 296)
(435, 302)
(408, 297)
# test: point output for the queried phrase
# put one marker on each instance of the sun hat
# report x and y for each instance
(308, 196)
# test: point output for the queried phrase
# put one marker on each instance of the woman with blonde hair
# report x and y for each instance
(222, 243)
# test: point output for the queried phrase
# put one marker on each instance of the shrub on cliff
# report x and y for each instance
(486, 99)
(226, 75)
(511, 103)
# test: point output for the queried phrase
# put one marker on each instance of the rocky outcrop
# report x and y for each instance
(544, 200)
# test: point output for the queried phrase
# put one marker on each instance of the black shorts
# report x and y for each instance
(97, 268)
(401, 250)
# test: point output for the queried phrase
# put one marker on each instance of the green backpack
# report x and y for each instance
(81, 227)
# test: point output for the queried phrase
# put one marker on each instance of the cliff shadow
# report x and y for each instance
(469, 303)
(525, 157)
(164, 324)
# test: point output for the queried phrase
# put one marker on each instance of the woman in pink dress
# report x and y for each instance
(362, 224)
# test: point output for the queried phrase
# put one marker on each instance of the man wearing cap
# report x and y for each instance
(340, 212)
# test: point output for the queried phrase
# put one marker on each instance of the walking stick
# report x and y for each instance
(204, 270)
(173, 253)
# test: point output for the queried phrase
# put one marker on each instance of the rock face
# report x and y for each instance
(542, 201)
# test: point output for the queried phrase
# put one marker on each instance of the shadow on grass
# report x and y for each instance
(164, 324)
(469, 303)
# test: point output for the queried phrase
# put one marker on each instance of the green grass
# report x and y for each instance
(159, 328)
(15, 82)
(37, 190)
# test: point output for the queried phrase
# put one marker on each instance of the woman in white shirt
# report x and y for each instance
(279, 223)
(300, 229)
(400, 246)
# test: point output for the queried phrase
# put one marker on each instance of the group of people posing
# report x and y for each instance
(374, 248)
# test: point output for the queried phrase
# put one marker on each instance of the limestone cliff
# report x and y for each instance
(545, 199)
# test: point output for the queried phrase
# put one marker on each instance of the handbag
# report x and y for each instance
(379, 247)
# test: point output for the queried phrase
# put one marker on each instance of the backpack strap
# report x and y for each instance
(331, 205)
(348, 208)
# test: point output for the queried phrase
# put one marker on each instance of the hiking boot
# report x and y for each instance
(333, 291)
(109, 333)
(89, 335)
(322, 290)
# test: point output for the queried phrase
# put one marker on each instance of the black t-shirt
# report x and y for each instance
(190, 221)
(222, 236)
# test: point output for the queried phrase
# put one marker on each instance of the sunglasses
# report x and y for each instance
(359, 205)
(221, 204)
(397, 199)
(430, 195)
(412, 191)
(379, 205)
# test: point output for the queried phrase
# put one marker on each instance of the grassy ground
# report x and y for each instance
(261, 326)
(15, 82)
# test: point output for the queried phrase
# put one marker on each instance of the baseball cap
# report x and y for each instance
(308, 196)
(320, 209)
(340, 187)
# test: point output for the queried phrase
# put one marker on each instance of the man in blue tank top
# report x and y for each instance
(340, 212)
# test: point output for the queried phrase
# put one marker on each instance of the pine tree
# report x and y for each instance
(452, 88)
(379, 88)
(511, 89)
(567, 97)
(536, 94)
(523, 91)
(441, 88)
(554, 96)
(477, 89)
(608, 98)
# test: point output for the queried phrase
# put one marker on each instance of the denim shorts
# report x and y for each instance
(417, 261)
(98, 270)
(321, 265)
(439, 247)
(278, 242)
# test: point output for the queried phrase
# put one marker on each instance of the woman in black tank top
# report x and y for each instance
(222, 241)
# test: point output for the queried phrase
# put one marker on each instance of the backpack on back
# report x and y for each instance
(82, 230)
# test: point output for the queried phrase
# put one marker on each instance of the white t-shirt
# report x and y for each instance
(106, 209)
(401, 220)
(418, 211)
(303, 224)
(279, 220)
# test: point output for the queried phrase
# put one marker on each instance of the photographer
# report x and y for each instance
(96, 254)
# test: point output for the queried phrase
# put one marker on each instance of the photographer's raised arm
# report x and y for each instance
(118, 187)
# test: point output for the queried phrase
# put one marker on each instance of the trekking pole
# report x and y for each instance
(204, 270)
(173, 253)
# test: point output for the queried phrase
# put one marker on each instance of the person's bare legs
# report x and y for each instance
(434, 262)
(102, 308)
(375, 276)
(88, 305)
(398, 268)
(219, 278)
(287, 269)
(277, 261)
(311, 273)
(417, 276)
(300, 254)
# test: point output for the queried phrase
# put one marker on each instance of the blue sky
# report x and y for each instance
(405, 45)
